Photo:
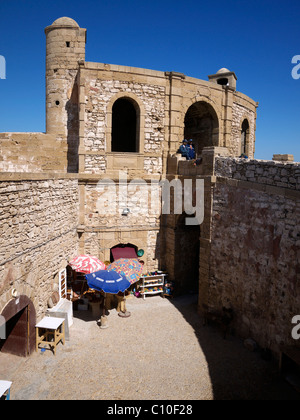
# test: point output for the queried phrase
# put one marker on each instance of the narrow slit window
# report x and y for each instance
(244, 137)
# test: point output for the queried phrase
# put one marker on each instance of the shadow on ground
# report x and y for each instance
(236, 373)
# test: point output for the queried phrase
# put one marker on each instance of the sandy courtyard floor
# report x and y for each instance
(161, 352)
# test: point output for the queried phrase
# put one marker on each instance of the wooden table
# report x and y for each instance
(52, 327)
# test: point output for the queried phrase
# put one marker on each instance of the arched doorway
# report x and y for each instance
(20, 317)
(202, 126)
(123, 251)
(124, 126)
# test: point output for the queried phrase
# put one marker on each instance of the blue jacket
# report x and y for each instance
(183, 149)
(191, 151)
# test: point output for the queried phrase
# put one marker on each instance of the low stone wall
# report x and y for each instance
(277, 174)
(32, 152)
(38, 221)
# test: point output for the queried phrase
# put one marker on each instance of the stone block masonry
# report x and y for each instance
(275, 174)
(99, 95)
(239, 113)
(105, 227)
(255, 248)
(49, 202)
(38, 222)
(32, 152)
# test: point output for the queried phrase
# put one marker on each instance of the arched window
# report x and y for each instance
(244, 137)
(124, 126)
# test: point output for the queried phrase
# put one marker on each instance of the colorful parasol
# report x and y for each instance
(128, 267)
(86, 264)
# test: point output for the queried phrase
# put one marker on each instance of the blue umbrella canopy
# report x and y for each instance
(108, 281)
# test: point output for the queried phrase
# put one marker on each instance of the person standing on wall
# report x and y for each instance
(183, 149)
(191, 150)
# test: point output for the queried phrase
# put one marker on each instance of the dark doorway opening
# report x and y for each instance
(20, 317)
(124, 126)
(201, 125)
(123, 251)
(187, 254)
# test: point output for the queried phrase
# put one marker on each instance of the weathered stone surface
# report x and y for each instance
(38, 236)
(280, 174)
(255, 249)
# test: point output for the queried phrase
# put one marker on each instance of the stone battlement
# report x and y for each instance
(275, 173)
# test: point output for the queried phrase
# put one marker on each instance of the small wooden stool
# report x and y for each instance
(52, 326)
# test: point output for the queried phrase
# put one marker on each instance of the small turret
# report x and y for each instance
(224, 77)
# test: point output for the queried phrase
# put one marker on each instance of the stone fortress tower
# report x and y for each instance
(103, 120)
(65, 48)
(211, 113)
(113, 118)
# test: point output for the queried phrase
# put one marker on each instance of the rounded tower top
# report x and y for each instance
(62, 23)
(223, 70)
(65, 21)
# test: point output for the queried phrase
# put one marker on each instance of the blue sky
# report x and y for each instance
(255, 39)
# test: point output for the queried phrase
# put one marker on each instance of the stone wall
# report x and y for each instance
(255, 253)
(32, 152)
(38, 221)
(275, 174)
(99, 242)
(100, 93)
(239, 114)
(105, 226)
